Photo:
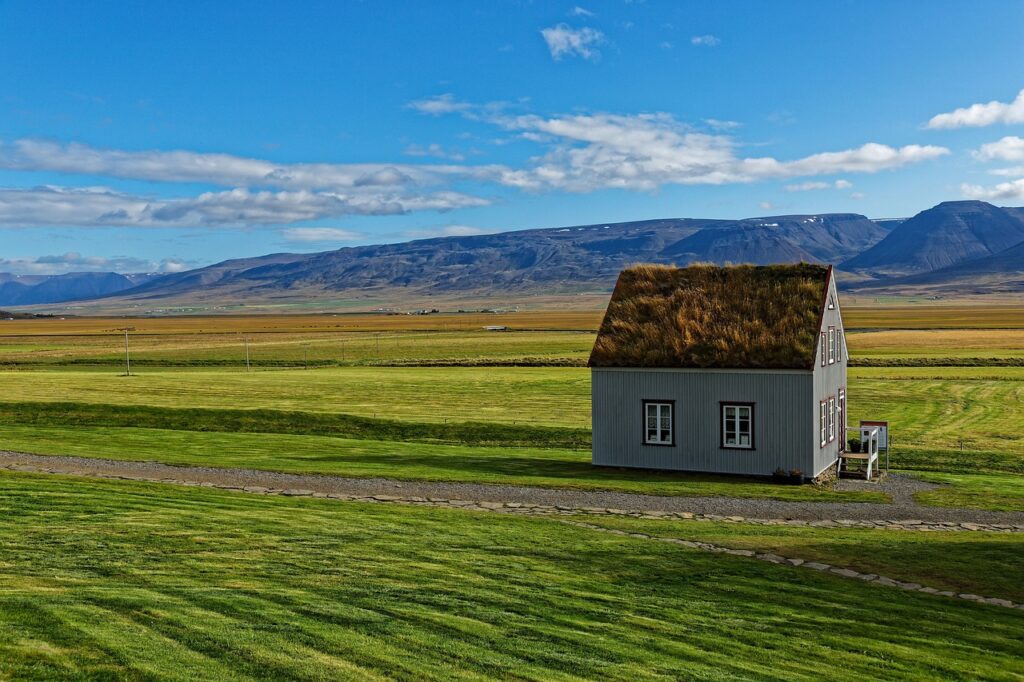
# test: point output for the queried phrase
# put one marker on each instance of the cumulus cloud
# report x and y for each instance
(99, 206)
(72, 261)
(439, 104)
(812, 185)
(434, 150)
(980, 115)
(1013, 190)
(444, 231)
(1010, 148)
(564, 40)
(216, 169)
(646, 151)
(705, 40)
(320, 234)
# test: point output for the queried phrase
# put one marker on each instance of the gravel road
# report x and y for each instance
(901, 488)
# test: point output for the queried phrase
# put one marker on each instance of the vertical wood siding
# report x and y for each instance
(783, 408)
(827, 382)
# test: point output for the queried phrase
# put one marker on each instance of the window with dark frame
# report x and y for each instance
(823, 422)
(738, 426)
(831, 419)
(658, 422)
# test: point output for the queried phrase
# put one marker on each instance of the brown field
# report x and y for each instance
(963, 316)
(300, 324)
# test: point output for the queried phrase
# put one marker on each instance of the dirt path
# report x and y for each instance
(903, 513)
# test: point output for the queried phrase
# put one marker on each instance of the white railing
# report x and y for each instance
(869, 445)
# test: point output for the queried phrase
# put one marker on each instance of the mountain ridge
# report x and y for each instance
(934, 249)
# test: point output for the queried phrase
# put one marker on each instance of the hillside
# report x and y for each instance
(962, 246)
(40, 289)
(557, 260)
(950, 233)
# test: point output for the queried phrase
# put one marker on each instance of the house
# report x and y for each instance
(733, 370)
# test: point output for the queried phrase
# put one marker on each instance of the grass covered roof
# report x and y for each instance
(744, 316)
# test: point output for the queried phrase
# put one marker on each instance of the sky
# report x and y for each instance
(143, 137)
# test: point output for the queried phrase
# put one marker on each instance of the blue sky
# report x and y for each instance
(145, 136)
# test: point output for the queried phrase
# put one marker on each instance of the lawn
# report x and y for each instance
(399, 460)
(147, 581)
(989, 564)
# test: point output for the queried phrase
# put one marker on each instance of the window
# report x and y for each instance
(658, 422)
(841, 418)
(831, 345)
(831, 419)
(823, 349)
(831, 302)
(738, 425)
(823, 422)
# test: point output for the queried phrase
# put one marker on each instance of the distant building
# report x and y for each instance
(736, 370)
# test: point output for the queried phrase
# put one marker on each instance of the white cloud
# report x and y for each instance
(435, 150)
(99, 206)
(705, 40)
(218, 169)
(564, 40)
(444, 231)
(73, 261)
(1009, 148)
(1013, 189)
(857, 196)
(170, 265)
(979, 115)
(438, 105)
(578, 11)
(1013, 171)
(717, 124)
(817, 184)
(766, 205)
(646, 151)
(320, 234)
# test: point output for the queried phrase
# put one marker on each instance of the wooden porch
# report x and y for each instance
(864, 462)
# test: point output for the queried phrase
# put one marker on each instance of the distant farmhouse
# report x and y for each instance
(737, 370)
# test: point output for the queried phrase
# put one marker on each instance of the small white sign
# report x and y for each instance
(883, 432)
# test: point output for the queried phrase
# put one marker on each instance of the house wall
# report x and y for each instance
(781, 418)
(828, 379)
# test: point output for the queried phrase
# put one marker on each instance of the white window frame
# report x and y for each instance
(732, 423)
(662, 409)
(823, 422)
(840, 340)
(831, 345)
(831, 419)
(831, 302)
(823, 342)
(841, 417)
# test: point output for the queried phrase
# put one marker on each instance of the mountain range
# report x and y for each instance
(955, 247)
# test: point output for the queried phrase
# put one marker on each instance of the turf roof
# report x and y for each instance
(744, 316)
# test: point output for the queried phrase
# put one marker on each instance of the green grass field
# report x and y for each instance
(931, 411)
(105, 580)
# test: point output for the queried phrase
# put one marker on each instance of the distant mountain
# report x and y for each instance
(554, 260)
(955, 246)
(40, 289)
(952, 232)
(1003, 271)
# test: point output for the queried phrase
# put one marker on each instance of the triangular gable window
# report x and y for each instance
(831, 302)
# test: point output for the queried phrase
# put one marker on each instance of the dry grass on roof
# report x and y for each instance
(707, 316)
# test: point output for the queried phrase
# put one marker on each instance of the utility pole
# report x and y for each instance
(127, 356)
(246, 353)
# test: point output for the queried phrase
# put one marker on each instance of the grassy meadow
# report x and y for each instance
(370, 404)
(146, 581)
